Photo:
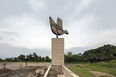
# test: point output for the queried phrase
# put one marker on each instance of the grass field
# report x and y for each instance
(102, 69)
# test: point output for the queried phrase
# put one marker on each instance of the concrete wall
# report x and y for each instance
(38, 64)
(16, 66)
(57, 51)
(12, 66)
(68, 73)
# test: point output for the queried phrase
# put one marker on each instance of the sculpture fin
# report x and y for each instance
(51, 21)
(59, 23)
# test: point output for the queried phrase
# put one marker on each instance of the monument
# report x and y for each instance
(57, 43)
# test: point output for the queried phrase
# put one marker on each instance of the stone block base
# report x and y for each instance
(57, 51)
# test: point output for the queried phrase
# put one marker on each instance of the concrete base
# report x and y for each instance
(57, 51)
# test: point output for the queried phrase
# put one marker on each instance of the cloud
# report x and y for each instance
(79, 32)
(26, 31)
(11, 7)
(37, 4)
(77, 50)
(8, 51)
(1, 38)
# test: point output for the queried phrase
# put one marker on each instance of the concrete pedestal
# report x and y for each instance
(57, 51)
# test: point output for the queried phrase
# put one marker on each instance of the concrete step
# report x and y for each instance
(52, 73)
(56, 71)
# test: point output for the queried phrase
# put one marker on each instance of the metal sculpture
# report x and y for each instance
(57, 28)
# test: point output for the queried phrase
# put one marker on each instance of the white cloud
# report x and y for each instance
(31, 32)
(82, 5)
(78, 33)
(83, 33)
(104, 36)
(37, 4)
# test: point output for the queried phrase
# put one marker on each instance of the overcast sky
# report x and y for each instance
(25, 27)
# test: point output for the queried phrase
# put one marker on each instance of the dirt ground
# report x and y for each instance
(28, 71)
(98, 73)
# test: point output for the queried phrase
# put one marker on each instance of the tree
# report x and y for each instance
(47, 59)
(39, 58)
(0, 59)
(35, 56)
(65, 58)
(29, 57)
(69, 57)
(15, 59)
(69, 54)
(9, 60)
(21, 57)
(75, 58)
(42, 59)
(110, 56)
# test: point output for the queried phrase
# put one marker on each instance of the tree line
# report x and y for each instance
(27, 58)
(103, 53)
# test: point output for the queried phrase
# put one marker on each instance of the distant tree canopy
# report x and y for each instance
(103, 53)
(28, 58)
(21, 57)
(0, 59)
(33, 58)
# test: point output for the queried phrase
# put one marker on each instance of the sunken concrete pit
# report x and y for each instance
(34, 70)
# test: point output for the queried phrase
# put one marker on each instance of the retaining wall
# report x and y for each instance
(16, 66)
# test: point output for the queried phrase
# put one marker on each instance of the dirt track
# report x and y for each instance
(98, 73)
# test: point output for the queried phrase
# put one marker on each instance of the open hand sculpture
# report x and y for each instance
(57, 28)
